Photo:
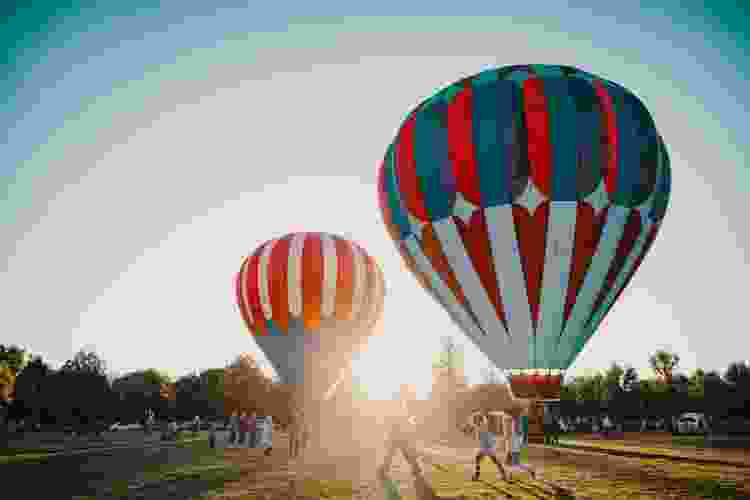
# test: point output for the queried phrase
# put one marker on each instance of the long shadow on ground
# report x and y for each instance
(71, 476)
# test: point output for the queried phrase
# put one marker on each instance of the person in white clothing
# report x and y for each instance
(487, 437)
(518, 441)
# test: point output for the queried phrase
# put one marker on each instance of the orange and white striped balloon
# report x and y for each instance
(311, 301)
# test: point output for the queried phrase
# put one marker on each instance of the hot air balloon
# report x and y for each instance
(310, 300)
(524, 199)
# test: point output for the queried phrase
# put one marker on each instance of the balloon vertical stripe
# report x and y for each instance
(507, 259)
(294, 274)
(263, 279)
(433, 167)
(360, 280)
(537, 126)
(345, 280)
(278, 282)
(625, 246)
(476, 240)
(531, 232)
(477, 300)
(461, 146)
(610, 143)
(412, 266)
(241, 297)
(253, 292)
(433, 250)
(588, 232)
(406, 172)
(312, 282)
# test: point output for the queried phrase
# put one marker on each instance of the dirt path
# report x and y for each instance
(662, 442)
(596, 475)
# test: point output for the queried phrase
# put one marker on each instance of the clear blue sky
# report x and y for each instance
(149, 149)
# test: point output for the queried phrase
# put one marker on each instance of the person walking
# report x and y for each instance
(295, 434)
(212, 435)
(487, 446)
(252, 430)
(548, 424)
(402, 437)
(267, 435)
(244, 427)
(234, 424)
(518, 442)
(196, 424)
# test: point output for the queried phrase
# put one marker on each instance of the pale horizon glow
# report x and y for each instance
(155, 192)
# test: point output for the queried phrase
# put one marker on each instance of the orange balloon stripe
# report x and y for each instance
(240, 298)
(411, 264)
(344, 279)
(253, 292)
(369, 295)
(312, 280)
(433, 250)
(278, 283)
(531, 231)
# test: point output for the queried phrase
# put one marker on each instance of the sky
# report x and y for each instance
(151, 146)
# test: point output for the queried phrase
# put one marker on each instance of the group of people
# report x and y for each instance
(516, 440)
(402, 437)
(251, 431)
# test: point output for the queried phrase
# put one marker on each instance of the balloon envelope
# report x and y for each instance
(311, 301)
(523, 199)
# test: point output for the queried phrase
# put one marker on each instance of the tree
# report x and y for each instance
(663, 363)
(738, 373)
(449, 383)
(33, 391)
(630, 379)
(717, 396)
(12, 361)
(7, 382)
(246, 387)
(13, 357)
(82, 395)
(737, 376)
(142, 390)
(212, 385)
(86, 362)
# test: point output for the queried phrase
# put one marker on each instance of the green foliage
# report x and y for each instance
(711, 488)
(663, 363)
(13, 357)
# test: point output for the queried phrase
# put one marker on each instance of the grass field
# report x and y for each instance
(192, 470)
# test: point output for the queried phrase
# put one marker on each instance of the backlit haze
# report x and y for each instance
(148, 153)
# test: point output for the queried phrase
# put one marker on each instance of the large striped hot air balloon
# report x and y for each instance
(311, 301)
(523, 199)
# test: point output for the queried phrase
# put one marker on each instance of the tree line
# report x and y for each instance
(81, 395)
(618, 391)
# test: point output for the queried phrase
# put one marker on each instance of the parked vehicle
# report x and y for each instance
(117, 426)
(690, 423)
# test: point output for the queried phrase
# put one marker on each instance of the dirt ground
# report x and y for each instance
(586, 475)
(662, 440)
